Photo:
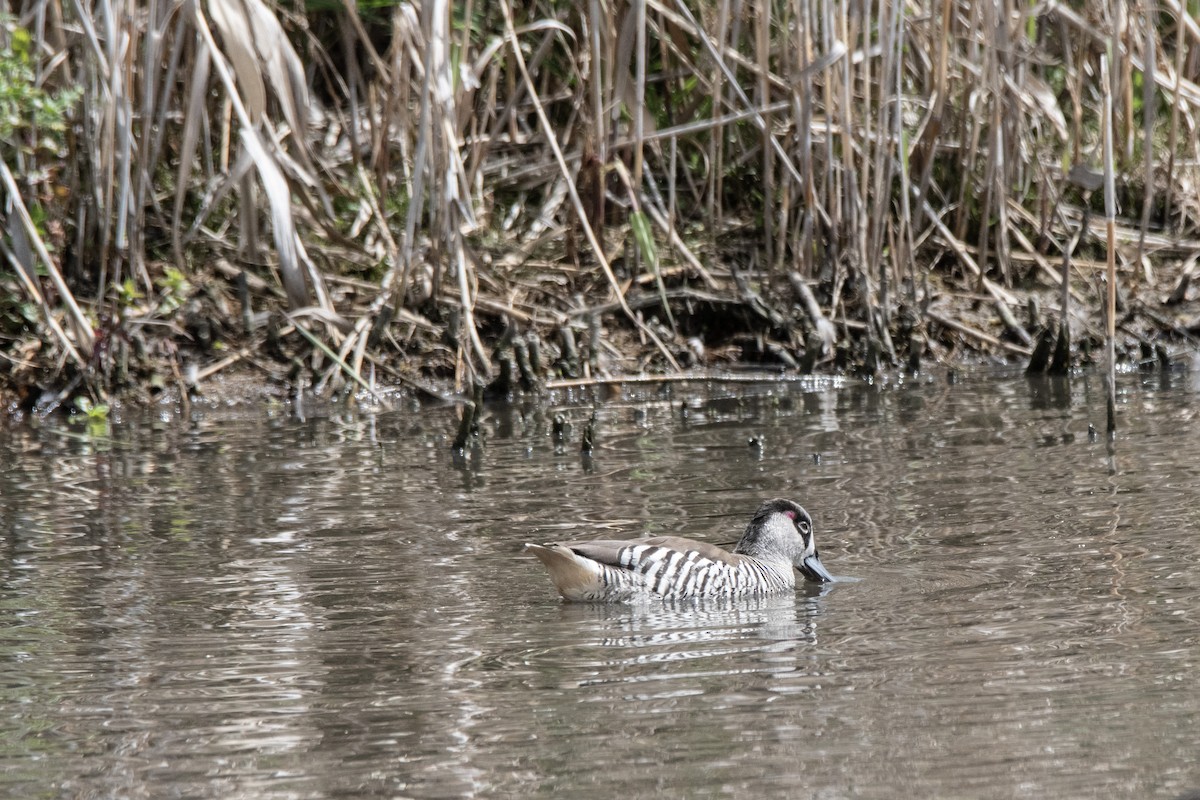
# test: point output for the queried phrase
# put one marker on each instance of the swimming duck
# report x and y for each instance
(778, 539)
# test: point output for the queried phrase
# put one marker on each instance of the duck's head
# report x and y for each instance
(781, 530)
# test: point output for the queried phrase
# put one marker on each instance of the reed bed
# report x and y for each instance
(440, 195)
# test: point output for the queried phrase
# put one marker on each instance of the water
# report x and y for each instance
(252, 605)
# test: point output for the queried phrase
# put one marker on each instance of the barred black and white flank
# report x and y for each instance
(778, 539)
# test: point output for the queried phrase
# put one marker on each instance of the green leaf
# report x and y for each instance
(643, 237)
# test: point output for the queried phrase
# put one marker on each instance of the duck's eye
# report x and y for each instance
(804, 528)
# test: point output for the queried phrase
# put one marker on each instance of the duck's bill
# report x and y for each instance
(813, 570)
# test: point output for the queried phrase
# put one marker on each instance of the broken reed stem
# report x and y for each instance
(588, 441)
(1148, 120)
(1176, 101)
(466, 426)
(1110, 205)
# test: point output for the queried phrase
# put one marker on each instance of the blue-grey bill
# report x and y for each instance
(812, 569)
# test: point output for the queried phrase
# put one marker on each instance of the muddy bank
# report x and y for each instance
(225, 335)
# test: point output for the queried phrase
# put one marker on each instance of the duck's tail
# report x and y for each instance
(576, 577)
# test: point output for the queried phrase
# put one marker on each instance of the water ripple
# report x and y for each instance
(269, 607)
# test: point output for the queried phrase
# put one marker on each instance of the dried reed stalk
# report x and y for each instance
(1110, 213)
(883, 152)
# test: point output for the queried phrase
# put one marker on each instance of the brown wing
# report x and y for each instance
(606, 551)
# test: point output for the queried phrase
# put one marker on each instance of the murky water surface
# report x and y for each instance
(260, 606)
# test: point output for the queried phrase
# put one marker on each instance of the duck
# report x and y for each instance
(778, 542)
